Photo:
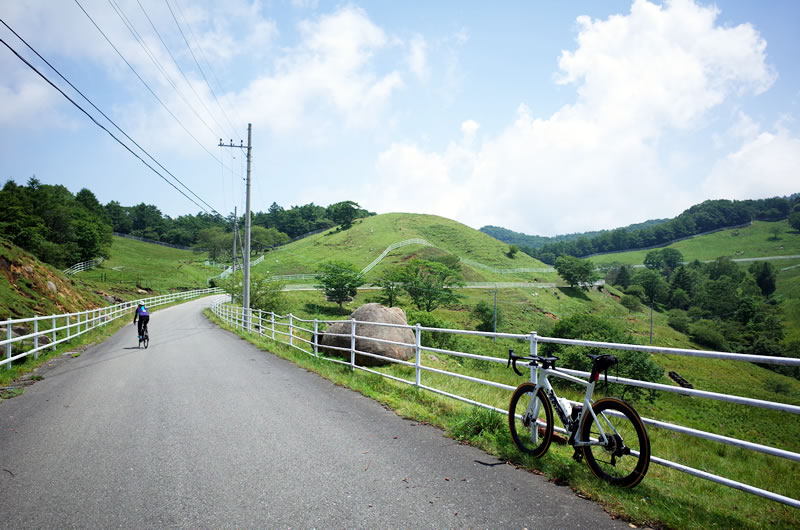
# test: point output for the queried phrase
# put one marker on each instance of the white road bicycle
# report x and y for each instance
(608, 433)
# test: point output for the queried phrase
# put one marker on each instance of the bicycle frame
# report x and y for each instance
(541, 376)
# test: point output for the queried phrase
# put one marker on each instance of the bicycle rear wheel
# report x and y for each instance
(146, 338)
(624, 460)
(530, 420)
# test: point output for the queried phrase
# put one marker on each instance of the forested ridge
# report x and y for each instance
(61, 228)
(705, 217)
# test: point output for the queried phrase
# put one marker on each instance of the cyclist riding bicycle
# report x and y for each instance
(143, 315)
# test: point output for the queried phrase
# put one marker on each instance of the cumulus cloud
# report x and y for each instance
(653, 73)
(328, 76)
(765, 166)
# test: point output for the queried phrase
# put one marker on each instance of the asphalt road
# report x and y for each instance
(202, 430)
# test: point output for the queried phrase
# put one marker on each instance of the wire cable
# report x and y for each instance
(145, 83)
(195, 58)
(183, 74)
(128, 24)
(21, 58)
(104, 114)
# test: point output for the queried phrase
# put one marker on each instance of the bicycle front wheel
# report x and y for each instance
(623, 460)
(530, 420)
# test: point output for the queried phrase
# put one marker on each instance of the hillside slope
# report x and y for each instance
(29, 287)
(369, 237)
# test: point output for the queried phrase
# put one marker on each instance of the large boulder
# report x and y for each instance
(371, 313)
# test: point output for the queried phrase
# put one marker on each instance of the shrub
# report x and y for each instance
(637, 291)
(706, 333)
(433, 339)
(679, 321)
(632, 365)
(631, 302)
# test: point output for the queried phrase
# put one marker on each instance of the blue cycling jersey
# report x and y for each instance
(142, 311)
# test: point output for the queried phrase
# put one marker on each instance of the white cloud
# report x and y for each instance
(328, 78)
(655, 72)
(765, 166)
(417, 59)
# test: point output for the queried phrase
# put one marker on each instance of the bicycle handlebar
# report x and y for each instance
(547, 362)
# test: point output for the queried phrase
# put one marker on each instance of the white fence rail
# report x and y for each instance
(52, 330)
(83, 266)
(303, 335)
(239, 266)
(393, 246)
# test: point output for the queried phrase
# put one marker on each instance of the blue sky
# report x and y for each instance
(542, 117)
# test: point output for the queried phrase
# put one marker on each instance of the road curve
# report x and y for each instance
(204, 430)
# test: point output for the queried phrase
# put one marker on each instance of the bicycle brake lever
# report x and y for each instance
(512, 361)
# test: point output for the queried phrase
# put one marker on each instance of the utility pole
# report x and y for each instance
(233, 256)
(246, 250)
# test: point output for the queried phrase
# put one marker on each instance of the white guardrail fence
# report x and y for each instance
(52, 330)
(302, 335)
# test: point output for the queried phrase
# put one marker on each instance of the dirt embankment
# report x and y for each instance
(28, 287)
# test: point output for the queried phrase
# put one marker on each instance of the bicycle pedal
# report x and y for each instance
(577, 455)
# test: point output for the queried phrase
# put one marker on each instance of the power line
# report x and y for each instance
(183, 74)
(195, 58)
(128, 24)
(145, 83)
(21, 58)
(104, 115)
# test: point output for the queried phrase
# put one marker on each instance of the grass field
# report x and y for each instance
(135, 264)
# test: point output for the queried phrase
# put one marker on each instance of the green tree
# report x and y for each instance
(624, 276)
(575, 271)
(512, 251)
(654, 260)
(391, 286)
(794, 220)
(430, 284)
(216, 241)
(765, 275)
(485, 315)
(655, 288)
(268, 295)
(339, 281)
(343, 213)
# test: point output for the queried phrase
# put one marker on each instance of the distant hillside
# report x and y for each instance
(524, 240)
(699, 219)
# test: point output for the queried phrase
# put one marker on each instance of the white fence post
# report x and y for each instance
(316, 339)
(418, 353)
(291, 329)
(272, 324)
(8, 346)
(54, 333)
(36, 338)
(68, 328)
(352, 344)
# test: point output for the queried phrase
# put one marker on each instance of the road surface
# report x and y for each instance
(202, 430)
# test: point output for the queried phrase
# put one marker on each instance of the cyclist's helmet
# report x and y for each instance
(139, 303)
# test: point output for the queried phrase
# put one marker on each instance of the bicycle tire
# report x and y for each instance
(146, 340)
(530, 435)
(616, 462)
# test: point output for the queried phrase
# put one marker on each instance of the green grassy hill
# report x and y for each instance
(369, 237)
(152, 267)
